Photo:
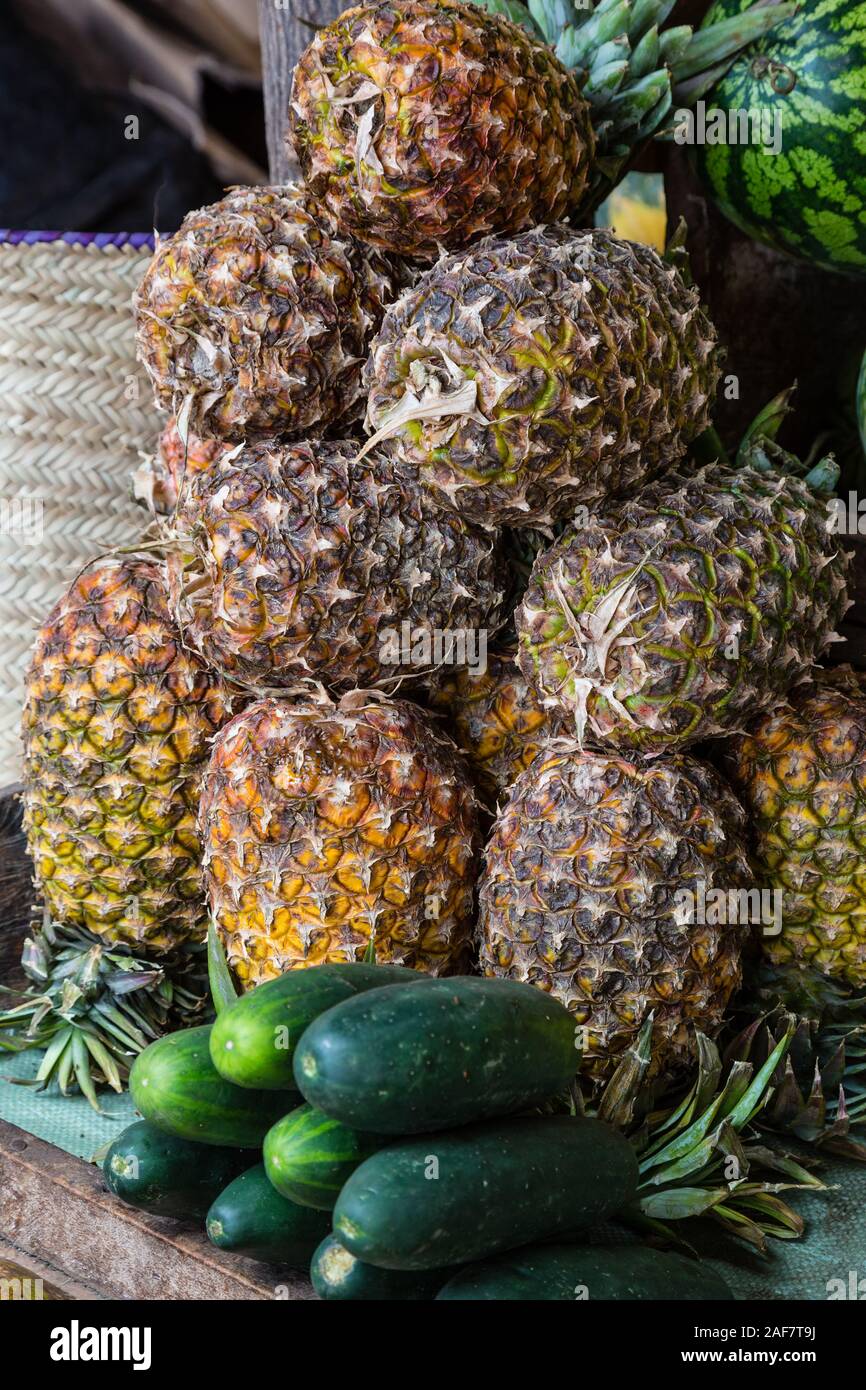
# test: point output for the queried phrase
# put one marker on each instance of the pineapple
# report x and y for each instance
(254, 318)
(672, 616)
(801, 773)
(423, 124)
(496, 719)
(524, 377)
(305, 561)
(176, 464)
(413, 121)
(117, 723)
(591, 889)
(328, 827)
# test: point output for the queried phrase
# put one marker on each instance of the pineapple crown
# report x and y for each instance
(711, 1144)
(94, 1007)
(631, 69)
(760, 450)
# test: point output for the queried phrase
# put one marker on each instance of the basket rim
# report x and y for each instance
(137, 240)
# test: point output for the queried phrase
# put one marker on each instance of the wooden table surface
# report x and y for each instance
(57, 1220)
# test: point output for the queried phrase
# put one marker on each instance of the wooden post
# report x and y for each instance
(286, 27)
(16, 886)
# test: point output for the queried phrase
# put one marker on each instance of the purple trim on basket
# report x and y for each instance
(137, 240)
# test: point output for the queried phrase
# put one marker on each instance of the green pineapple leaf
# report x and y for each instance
(93, 1008)
(632, 70)
(222, 986)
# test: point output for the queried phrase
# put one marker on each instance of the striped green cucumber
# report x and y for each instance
(337, 1276)
(254, 1039)
(159, 1173)
(408, 1061)
(468, 1193)
(308, 1156)
(570, 1273)
(175, 1085)
(251, 1218)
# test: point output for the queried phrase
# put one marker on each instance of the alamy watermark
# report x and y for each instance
(852, 1286)
(714, 125)
(427, 648)
(22, 516)
(703, 906)
(847, 516)
(26, 1290)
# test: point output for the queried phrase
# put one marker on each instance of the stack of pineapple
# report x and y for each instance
(385, 386)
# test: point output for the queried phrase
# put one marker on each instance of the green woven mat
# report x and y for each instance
(834, 1247)
(69, 1122)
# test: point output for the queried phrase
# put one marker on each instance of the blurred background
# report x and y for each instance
(127, 112)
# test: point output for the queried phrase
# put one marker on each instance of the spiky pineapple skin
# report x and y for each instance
(801, 773)
(476, 126)
(117, 722)
(177, 462)
(257, 316)
(496, 719)
(672, 616)
(306, 561)
(326, 826)
(579, 365)
(578, 896)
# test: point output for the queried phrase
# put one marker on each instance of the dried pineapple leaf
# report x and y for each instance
(682, 1202)
(432, 404)
(620, 1094)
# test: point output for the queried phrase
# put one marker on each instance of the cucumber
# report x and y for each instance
(570, 1273)
(309, 1156)
(156, 1172)
(459, 1196)
(406, 1061)
(338, 1275)
(251, 1218)
(254, 1039)
(175, 1085)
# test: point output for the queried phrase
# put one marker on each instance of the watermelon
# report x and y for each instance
(810, 198)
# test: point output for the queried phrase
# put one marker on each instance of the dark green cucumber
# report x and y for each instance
(254, 1039)
(337, 1275)
(176, 1086)
(159, 1173)
(570, 1273)
(405, 1061)
(309, 1156)
(251, 1218)
(468, 1193)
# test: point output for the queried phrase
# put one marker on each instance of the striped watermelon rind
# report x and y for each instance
(308, 1156)
(810, 199)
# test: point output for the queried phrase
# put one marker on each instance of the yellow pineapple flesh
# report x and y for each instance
(117, 723)
(328, 826)
(801, 772)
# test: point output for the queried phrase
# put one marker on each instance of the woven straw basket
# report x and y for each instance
(76, 411)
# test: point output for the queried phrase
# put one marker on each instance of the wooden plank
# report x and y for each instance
(22, 1278)
(16, 886)
(286, 27)
(56, 1210)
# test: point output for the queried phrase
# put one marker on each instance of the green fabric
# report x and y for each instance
(69, 1122)
(833, 1247)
